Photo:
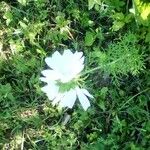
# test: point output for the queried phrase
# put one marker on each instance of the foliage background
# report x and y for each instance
(114, 35)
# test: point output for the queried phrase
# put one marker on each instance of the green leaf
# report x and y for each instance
(23, 25)
(128, 18)
(104, 91)
(101, 104)
(23, 2)
(117, 25)
(8, 16)
(147, 38)
(98, 2)
(89, 38)
(142, 12)
(118, 16)
(91, 3)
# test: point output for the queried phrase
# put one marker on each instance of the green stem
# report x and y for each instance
(91, 70)
(133, 98)
(100, 67)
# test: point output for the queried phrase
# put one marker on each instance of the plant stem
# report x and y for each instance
(100, 67)
(133, 98)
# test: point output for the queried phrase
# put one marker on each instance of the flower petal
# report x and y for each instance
(78, 55)
(51, 90)
(85, 92)
(43, 79)
(67, 53)
(82, 60)
(55, 61)
(82, 98)
(76, 69)
(51, 74)
(57, 99)
(67, 65)
(69, 99)
(64, 67)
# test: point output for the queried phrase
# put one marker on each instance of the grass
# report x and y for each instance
(106, 33)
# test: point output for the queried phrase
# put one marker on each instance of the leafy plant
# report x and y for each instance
(114, 36)
(120, 58)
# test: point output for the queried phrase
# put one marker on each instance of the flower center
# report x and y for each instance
(64, 87)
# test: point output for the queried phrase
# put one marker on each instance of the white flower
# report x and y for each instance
(64, 67)
(63, 71)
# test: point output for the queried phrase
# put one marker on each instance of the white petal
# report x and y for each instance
(66, 78)
(66, 66)
(51, 90)
(82, 60)
(51, 74)
(71, 71)
(69, 99)
(78, 55)
(76, 69)
(45, 89)
(54, 61)
(82, 98)
(68, 57)
(57, 98)
(67, 53)
(87, 93)
(43, 79)
(48, 61)
(56, 54)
